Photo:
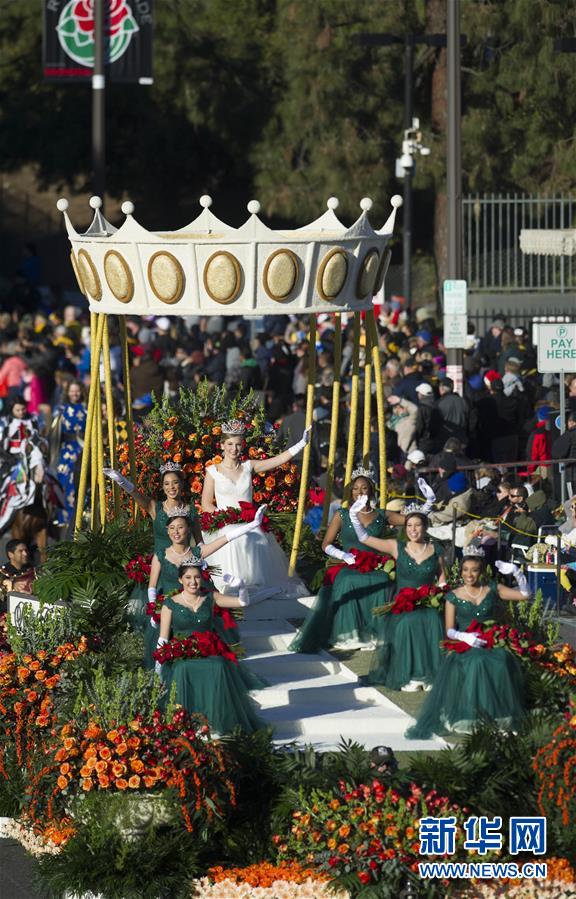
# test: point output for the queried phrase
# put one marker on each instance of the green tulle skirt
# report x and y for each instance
(408, 648)
(470, 685)
(137, 607)
(343, 611)
(215, 688)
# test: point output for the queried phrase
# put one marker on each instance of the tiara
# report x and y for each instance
(414, 509)
(362, 472)
(473, 552)
(233, 427)
(178, 512)
(170, 466)
(192, 562)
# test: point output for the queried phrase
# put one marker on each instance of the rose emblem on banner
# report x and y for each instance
(76, 30)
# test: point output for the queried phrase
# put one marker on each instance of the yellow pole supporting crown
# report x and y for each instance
(334, 417)
(110, 414)
(353, 410)
(96, 346)
(371, 324)
(367, 400)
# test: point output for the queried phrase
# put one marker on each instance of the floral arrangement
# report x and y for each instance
(214, 521)
(22, 830)
(26, 704)
(561, 660)
(154, 607)
(555, 768)
(361, 829)
(134, 756)
(498, 636)
(429, 596)
(266, 874)
(198, 645)
(365, 562)
(186, 431)
(4, 641)
(286, 880)
(138, 569)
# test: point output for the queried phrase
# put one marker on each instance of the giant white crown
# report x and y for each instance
(210, 268)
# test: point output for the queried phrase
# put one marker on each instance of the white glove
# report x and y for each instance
(233, 581)
(335, 553)
(243, 597)
(428, 494)
(152, 594)
(157, 665)
(240, 529)
(518, 575)
(304, 441)
(472, 640)
(355, 508)
(122, 482)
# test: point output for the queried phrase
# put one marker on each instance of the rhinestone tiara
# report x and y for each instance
(233, 428)
(473, 552)
(362, 472)
(192, 562)
(178, 512)
(414, 509)
(170, 466)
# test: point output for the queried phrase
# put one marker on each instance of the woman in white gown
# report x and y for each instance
(254, 557)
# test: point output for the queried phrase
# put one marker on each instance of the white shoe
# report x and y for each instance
(347, 645)
(368, 647)
(412, 686)
(427, 687)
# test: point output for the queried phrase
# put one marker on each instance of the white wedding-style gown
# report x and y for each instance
(254, 557)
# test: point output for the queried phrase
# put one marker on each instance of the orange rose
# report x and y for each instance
(197, 469)
(121, 784)
(85, 771)
(344, 831)
(32, 696)
(258, 497)
(134, 782)
(92, 732)
(331, 843)
(133, 742)
(196, 486)
(91, 752)
(105, 753)
(103, 781)
(40, 675)
(62, 782)
(118, 769)
(111, 735)
(91, 763)
(122, 749)
(150, 781)
(205, 438)
(87, 784)
(173, 420)
(344, 849)
(270, 482)
(23, 674)
(65, 768)
(177, 457)
(198, 453)
(168, 435)
(137, 766)
(35, 665)
(101, 767)
(61, 755)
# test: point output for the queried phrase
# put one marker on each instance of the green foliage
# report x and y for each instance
(94, 561)
(530, 616)
(119, 698)
(45, 630)
(100, 860)
(489, 772)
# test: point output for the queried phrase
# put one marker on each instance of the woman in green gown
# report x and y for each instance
(479, 681)
(172, 483)
(166, 562)
(341, 616)
(408, 654)
(213, 686)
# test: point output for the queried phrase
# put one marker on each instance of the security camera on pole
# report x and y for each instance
(406, 168)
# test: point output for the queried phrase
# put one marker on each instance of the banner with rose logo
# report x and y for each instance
(69, 40)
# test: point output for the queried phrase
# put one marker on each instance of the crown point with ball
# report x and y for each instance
(62, 204)
(95, 202)
(333, 203)
(128, 208)
(253, 207)
(205, 201)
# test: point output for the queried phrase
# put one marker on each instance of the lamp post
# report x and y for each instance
(99, 102)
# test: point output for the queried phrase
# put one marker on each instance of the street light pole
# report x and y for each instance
(99, 102)
(407, 217)
(454, 169)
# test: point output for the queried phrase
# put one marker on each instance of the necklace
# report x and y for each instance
(417, 553)
(176, 553)
(231, 467)
(471, 595)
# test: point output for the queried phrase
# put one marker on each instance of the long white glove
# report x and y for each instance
(232, 581)
(240, 529)
(428, 494)
(157, 665)
(471, 639)
(335, 553)
(152, 594)
(122, 482)
(243, 597)
(304, 441)
(517, 573)
(355, 508)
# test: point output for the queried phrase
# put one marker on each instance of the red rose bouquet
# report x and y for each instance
(214, 521)
(365, 563)
(154, 608)
(497, 636)
(198, 645)
(429, 596)
(138, 569)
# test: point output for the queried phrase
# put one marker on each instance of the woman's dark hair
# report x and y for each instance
(184, 568)
(423, 518)
(179, 474)
(18, 401)
(185, 518)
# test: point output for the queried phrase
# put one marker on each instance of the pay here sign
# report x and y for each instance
(557, 347)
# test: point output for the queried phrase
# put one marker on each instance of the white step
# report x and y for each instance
(275, 609)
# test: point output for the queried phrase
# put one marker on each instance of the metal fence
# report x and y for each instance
(492, 257)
